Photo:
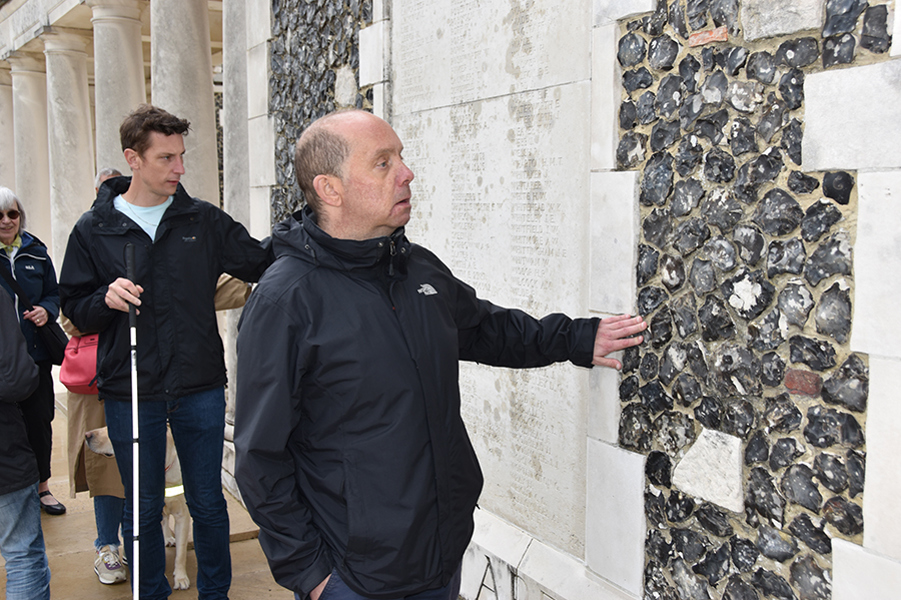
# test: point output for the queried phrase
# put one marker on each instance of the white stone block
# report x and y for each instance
(614, 241)
(615, 519)
(604, 407)
(769, 18)
(896, 33)
(712, 469)
(609, 11)
(548, 573)
(882, 528)
(860, 574)
(846, 112)
(261, 153)
(259, 23)
(373, 53)
(260, 215)
(496, 550)
(380, 97)
(258, 81)
(345, 86)
(605, 97)
(875, 254)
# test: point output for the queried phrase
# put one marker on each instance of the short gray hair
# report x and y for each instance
(104, 174)
(8, 200)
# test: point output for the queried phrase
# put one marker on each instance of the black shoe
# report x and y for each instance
(52, 509)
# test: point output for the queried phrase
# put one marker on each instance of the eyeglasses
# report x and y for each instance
(12, 214)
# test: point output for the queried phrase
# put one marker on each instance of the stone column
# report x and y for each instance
(30, 140)
(7, 133)
(119, 81)
(70, 136)
(181, 76)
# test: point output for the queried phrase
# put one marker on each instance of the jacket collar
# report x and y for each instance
(106, 215)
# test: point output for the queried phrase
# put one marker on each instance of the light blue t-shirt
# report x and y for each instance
(147, 217)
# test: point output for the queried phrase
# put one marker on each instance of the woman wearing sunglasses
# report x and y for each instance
(25, 257)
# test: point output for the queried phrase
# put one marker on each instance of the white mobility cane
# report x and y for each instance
(135, 489)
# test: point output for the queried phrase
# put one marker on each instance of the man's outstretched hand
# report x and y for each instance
(613, 334)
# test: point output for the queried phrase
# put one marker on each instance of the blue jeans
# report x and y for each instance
(22, 545)
(108, 511)
(198, 426)
(336, 589)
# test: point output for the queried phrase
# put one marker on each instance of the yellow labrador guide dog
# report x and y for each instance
(176, 507)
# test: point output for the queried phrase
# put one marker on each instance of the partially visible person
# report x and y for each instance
(21, 537)
(25, 257)
(92, 472)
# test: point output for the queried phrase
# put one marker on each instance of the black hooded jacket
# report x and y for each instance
(351, 451)
(178, 344)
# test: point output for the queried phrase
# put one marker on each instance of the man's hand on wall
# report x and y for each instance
(613, 334)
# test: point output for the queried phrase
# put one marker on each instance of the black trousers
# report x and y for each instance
(38, 411)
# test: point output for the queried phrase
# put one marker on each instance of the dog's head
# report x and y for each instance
(98, 441)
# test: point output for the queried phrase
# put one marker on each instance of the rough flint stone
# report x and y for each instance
(845, 516)
(838, 186)
(658, 548)
(725, 13)
(690, 110)
(654, 24)
(647, 108)
(690, 235)
(649, 366)
(742, 137)
(736, 58)
(745, 96)
(750, 243)
(778, 213)
(637, 79)
(815, 538)
(763, 497)
(812, 581)
(669, 95)
(818, 219)
(738, 589)
(661, 329)
(711, 126)
(875, 36)
(673, 363)
(689, 70)
(685, 311)
(838, 50)
(719, 166)
(766, 334)
(739, 418)
(674, 431)
(715, 565)
(696, 11)
(798, 53)
(688, 155)
(687, 193)
(658, 470)
(831, 472)
(795, 303)
(653, 508)
(687, 389)
(630, 359)
(649, 299)
(630, 152)
(663, 135)
(721, 253)
(744, 554)
(635, 427)
(772, 585)
(772, 369)
(791, 141)
(833, 314)
(658, 227)
(647, 263)
(791, 87)
(679, 507)
(702, 276)
(818, 355)
(628, 115)
(849, 386)
(628, 388)
(689, 586)
(781, 414)
(715, 87)
(762, 67)
(800, 183)
(771, 121)
(716, 322)
(714, 520)
(663, 52)
(785, 257)
(772, 545)
(856, 472)
(842, 15)
(832, 257)
(784, 453)
(709, 412)
(655, 583)
(828, 427)
(677, 20)
(688, 544)
(748, 293)
(697, 361)
(632, 49)
(757, 450)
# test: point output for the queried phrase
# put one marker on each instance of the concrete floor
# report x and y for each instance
(69, 540)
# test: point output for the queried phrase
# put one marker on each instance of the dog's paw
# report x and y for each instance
(181, 581)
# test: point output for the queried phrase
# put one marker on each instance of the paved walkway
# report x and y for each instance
(70, 546)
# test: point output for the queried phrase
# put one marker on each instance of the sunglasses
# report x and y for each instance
(12, 214)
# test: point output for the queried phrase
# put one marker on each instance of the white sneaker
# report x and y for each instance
(108, 566)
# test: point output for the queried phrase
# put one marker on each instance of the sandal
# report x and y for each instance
(52, 509)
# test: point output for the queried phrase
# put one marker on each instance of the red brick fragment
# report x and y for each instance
(720, 34)
(803, 382)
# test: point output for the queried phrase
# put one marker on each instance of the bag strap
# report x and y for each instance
(17, 288)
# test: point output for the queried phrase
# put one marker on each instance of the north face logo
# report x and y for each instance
(427, 290)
